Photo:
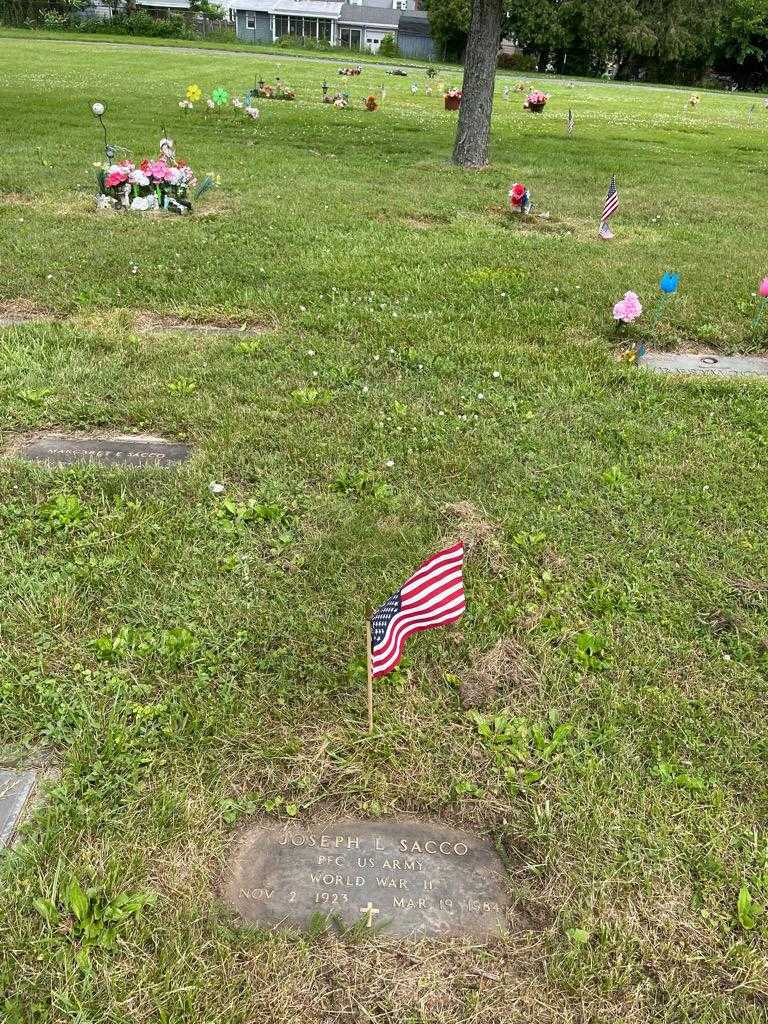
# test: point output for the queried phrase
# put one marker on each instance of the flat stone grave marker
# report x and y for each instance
(692, 363)
(120, 450)
(245, 330)
(15, 789)
(408, 879)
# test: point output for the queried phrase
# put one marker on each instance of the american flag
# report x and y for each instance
(611, 201)
(570, 122)
(433, 596)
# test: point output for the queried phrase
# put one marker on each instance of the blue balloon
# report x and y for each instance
(668, 283)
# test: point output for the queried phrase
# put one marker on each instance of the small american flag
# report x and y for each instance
(611, 200)
(570, 122)
(433, 596)
(610, 207)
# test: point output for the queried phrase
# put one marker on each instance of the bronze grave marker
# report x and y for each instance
(407, 879)
(120, 450)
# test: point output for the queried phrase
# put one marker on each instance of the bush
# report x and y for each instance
(54, 20)
(516, 62)
(139, 24)
(388, 47)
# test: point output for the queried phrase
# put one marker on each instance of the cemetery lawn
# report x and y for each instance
(181, 664)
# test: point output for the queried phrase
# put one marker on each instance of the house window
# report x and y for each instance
(312, 28)
(250, 21)
(351, 38)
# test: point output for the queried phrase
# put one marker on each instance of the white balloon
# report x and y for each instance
(98, 109)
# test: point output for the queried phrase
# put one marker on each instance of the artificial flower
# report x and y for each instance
(210, 104)
(186, 105)
(627, 309)
(237, 103)
(138, 177)
(194, 93)
(668, 283)
(115, 178)
(762, 290)
(156, 169)
(220, 96)
(252, 112)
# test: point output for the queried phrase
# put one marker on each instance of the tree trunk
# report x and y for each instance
(471, 146)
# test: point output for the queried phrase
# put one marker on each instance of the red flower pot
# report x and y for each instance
(452, 102)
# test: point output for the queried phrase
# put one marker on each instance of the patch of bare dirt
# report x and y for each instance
(20, 311)
(504, 667)
(17, 199)
(481, 537)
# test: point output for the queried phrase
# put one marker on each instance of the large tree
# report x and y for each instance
(473, 132)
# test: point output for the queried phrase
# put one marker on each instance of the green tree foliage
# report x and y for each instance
(675, 40)
(449, 23)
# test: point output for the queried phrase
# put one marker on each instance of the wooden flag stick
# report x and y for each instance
(370, 674)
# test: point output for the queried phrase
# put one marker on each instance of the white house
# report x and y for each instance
(354, 25)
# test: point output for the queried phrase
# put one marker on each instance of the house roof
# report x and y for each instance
(414, 21)
(303, 8)
(181, 5)
(318, 8)
(356, 14)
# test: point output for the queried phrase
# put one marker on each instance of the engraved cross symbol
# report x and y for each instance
(369, 911)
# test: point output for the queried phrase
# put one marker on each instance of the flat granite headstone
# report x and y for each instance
(691, 363)
(62, 450)
(15, 790)
(406, 879)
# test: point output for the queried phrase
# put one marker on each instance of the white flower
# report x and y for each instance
(138, 177)
(237, 103)
(365, 389)
(215, 488)
(252, 112)
(389, 463)
(310, 351)
(496, 374)
(480, 396)
(210, 104)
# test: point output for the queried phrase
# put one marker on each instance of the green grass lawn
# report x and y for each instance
(337, 54)
(185, 664)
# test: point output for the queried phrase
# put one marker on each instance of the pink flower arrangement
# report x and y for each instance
(762, 290)
(162, 183)
(536, 100)
(627, 309)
